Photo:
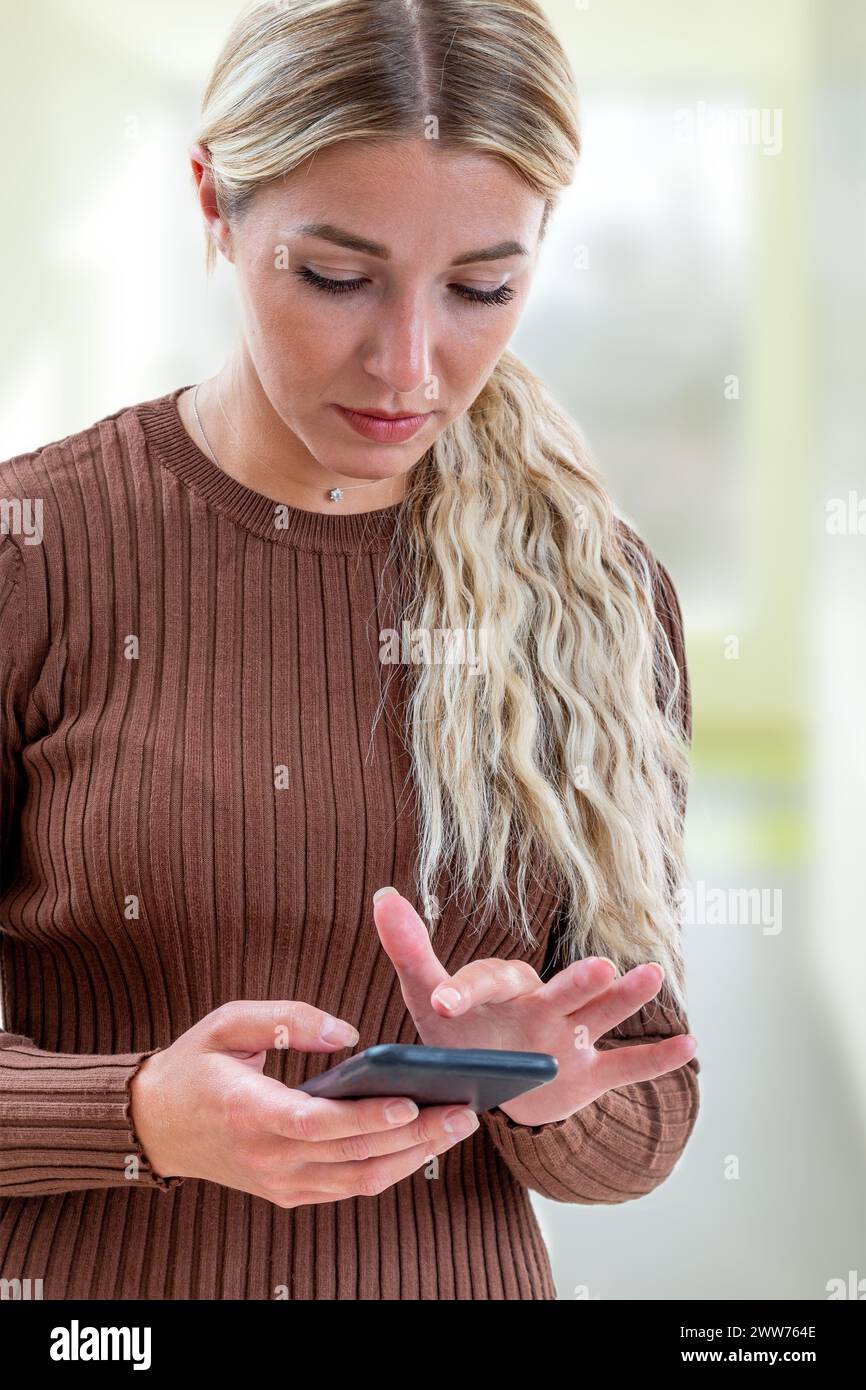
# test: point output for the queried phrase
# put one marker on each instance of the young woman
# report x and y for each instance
(226, 722)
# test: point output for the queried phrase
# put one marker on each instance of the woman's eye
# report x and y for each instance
(497, 296)
(501, 295)
(329, 286)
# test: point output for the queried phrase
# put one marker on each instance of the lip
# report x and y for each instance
(384, 429)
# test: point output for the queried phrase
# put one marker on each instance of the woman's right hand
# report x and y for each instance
(202, 1108)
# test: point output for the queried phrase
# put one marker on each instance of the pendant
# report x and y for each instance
(335, 494)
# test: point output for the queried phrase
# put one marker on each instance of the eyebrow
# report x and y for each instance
(326, 232)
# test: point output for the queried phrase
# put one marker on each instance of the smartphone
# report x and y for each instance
(478, 1077)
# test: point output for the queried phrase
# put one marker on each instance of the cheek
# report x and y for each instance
(472, 353)
(288, 335)
(271, 309)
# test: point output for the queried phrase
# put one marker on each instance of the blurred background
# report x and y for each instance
(700, 311)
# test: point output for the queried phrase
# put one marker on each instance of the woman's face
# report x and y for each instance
(382, 278)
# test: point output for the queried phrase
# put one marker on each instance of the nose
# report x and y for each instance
(398, 351)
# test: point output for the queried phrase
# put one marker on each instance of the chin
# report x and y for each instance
(370, 464)
(351, 473)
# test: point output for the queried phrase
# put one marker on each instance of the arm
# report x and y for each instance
(66, 1123)
(628, 1140)
(65, 1118)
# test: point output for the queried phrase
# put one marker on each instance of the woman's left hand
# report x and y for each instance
(503, 1004)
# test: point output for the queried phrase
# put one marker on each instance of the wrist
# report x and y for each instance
(145, 1108)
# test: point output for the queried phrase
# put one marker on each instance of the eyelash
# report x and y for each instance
(499, 296)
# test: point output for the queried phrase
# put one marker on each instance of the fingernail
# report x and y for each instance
(380, 891)
(461, 1123)
(400, 1111)
(448, 997)
(656, 966)
(334, 1030)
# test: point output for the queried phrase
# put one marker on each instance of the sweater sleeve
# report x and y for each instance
(627, 1141)
(65, 1118)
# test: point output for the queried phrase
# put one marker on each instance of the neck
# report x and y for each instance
(271, 460)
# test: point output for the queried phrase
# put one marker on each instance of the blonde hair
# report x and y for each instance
(569, 750)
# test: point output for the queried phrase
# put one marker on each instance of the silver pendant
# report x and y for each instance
(335, 494)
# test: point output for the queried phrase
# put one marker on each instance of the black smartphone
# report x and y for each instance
(478, 1077)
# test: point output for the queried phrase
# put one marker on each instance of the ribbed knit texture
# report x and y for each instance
(154, 865)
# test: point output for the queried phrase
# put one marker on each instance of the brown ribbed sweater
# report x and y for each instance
(153, 867)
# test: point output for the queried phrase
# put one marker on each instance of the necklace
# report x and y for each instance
(333, 495)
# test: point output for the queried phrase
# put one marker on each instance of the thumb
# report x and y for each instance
(246, 1027)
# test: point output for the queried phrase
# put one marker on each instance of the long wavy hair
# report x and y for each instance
(558, 757)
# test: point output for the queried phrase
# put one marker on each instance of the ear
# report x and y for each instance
(217, 227)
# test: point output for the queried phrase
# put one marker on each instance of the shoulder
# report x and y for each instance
(76, 459)
(668, 611)
(636, 548)
(65, 507)
(643, 560)
(68, 489)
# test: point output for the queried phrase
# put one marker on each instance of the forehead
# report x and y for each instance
(416, 197)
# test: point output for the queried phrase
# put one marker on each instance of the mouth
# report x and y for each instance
(384, 414)
(381, 426)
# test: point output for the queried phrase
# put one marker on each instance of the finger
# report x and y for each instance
(620, 1000)
(263, 1103)
(370, 1176)
(484, 982)
(344, 1178)
(405, 939)
(573, 988)
(248, 1026)
(621, 1066)
(435, 1124)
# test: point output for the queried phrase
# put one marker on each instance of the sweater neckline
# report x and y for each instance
(279, 522)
